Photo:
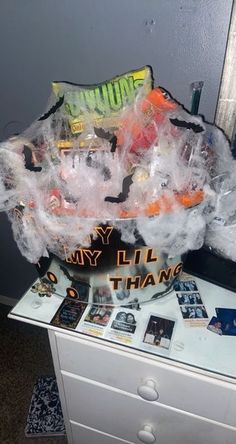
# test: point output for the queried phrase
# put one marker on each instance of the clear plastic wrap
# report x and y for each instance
(221, 231)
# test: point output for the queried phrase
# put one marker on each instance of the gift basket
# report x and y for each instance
(110, 187)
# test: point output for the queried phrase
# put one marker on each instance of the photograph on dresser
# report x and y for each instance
(190, 301)
(159, 332)
(194, 315)
(184, 286)
(99, 315)
(189, 298)
(124, 321)
(215, 325)
(125, 326)
(68, 314)
(227, 317)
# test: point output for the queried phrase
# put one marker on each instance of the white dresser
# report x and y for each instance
(111, 393)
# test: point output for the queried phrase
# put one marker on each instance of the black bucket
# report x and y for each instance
(111, 271)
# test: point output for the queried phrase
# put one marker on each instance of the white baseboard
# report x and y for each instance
(8, 301)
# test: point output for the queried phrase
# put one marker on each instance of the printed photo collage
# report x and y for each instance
(190, 302)
(91, 307)
(124, 325)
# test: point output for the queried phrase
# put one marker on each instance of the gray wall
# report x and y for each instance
(88, 41)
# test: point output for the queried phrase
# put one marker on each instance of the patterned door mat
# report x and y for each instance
(45, 414)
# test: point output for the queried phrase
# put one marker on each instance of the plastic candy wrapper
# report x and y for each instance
(116, 178)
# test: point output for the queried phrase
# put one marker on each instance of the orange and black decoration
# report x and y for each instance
(72, 293)
(52, 277)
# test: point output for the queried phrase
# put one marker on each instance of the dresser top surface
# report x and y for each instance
(175, 327)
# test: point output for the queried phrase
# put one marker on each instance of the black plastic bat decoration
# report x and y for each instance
(127, 182)
(188, 125)
(52, 110)
(29, 164)
(72, 278)
(102, 134)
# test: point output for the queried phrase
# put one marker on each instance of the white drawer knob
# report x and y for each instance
(146, 435)
(148, 390)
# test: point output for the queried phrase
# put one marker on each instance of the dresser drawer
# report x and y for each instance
(124, 415)
(184, 390)
(86, 435)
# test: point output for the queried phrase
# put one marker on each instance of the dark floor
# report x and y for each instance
(24, 355)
